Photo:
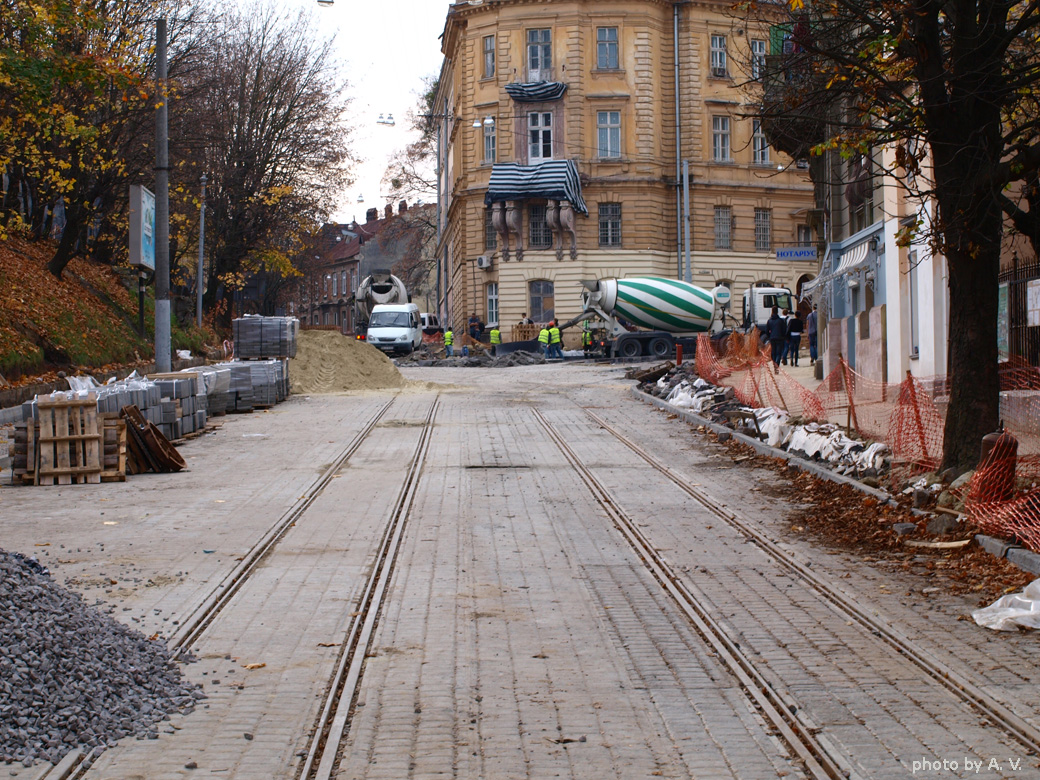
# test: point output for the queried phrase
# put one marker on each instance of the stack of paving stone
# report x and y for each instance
(240, 392)
(142, 393)
(264, 338)
(184, 404)
(217, 382)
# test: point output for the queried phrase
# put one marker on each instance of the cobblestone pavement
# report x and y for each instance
(522, 638)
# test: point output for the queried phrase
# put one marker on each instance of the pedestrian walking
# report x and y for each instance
(496, 339)
(794, 336)
(543, 340)
(776, 332)
(449, 342)
(555, 341)
(810, 329)
(786, 315)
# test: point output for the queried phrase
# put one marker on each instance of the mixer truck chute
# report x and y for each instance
(671, 311)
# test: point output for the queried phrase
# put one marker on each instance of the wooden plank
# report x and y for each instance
(47, 453)
(91, 454)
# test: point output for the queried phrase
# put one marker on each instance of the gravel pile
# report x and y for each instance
(482, 360)
(72, 677)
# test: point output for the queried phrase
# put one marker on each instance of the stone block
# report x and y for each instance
(993, 545)
(1027, 560)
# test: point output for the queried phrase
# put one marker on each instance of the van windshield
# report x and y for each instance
(389, 319)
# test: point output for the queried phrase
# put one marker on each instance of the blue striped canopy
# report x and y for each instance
(552, 180)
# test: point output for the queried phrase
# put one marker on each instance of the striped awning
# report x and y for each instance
(851, 260)
(552, 180)
(536, 91)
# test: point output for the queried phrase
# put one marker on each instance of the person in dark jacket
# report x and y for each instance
(776, 332)
(794, 337)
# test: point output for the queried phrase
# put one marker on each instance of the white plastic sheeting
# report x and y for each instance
(691, 396)
(1009, 612)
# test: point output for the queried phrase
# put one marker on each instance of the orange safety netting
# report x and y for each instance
(1003, 497)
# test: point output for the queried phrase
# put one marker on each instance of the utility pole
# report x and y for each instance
(202, 244)
(163, 361)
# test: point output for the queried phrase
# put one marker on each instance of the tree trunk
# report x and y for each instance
(974, 408)
(69, 243)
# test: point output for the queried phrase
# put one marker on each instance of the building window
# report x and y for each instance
(343, 282)
(915, 316)
(723, 227)
(759, 144)
(539, 55)
(763, 230)
(335, 285)
(720, 139)
(540, 128)
(718, 57)
(610, 224)
(492, 303)
(758, 58)
(608, 125)
(489, 56)
(607, 49)
(490, 235)
(804, 233)
(540, 235)
(490, 143)
(543, 304)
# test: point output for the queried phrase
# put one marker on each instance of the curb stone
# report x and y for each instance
(1019, 556)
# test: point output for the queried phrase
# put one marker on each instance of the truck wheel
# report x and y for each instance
(629, 348)
(660, 347)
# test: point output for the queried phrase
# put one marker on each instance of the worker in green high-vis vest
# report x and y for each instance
(496, 339)
(543, 340)
(449, 341)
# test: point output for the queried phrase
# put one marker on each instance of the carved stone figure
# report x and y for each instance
(514, 222)
(552, 219)
(567, 222)
(498, 220)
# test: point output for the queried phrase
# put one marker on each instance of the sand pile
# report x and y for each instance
(328, 362)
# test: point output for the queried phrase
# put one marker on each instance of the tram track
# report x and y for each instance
(845, 604)
(342, 692)
(192, 627)
(772, 703)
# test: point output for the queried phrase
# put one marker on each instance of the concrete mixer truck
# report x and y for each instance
(671, 312)
(382, 287)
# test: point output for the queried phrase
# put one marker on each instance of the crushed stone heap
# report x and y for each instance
(328, 362)
(70, 675)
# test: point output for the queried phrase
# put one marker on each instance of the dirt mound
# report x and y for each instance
(329, 362)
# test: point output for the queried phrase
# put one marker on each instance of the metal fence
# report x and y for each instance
(1019, 338)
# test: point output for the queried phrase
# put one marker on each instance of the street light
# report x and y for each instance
(388, 121)
(202, 244)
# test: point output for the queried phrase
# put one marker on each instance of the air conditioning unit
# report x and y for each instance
(484, 261)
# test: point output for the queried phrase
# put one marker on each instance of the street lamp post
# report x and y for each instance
(162, 206)
(202, 244)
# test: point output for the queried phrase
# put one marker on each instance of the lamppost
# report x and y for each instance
(202, 244)
(162, 206)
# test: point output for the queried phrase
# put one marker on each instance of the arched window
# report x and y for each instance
(765, 283)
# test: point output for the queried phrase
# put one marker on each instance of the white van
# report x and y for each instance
(431, 324)
(395, 328)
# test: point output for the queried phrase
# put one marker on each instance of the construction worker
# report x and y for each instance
(449, 341)
(586, 338)
(555, 342)
(543, 340)
(496, 339)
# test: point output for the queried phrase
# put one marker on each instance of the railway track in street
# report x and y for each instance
(194, 625)
(770, 702)
(936, 671)
(342, 691)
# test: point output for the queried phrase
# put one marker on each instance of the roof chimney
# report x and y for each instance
(402, 207)
(388, 211)
(371, 215)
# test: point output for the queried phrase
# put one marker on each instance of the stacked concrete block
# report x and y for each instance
(217, 383)
(263, 338)
(240, 398)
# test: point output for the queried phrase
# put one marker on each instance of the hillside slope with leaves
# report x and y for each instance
(84, 319)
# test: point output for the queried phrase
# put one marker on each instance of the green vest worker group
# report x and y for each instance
(550, 341)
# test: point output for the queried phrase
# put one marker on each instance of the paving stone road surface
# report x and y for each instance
(522, 637)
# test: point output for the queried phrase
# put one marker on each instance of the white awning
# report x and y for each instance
(851, 260)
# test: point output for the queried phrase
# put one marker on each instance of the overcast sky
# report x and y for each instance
(388, 47)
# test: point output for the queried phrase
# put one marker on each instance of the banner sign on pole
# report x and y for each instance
(142, 227)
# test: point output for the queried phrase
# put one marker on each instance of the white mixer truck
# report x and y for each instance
(381, 287)
(672, 312)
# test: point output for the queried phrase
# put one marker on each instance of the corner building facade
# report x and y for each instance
(563, 125)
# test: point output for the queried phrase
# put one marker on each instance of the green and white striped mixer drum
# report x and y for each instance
(659, 304)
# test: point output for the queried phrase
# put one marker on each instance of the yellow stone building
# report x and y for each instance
(562, 146)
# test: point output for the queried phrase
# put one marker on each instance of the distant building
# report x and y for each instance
(344, 254)
(562, 136)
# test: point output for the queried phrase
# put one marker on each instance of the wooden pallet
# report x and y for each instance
(23, 469)
(113, 432)
(69, 444)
